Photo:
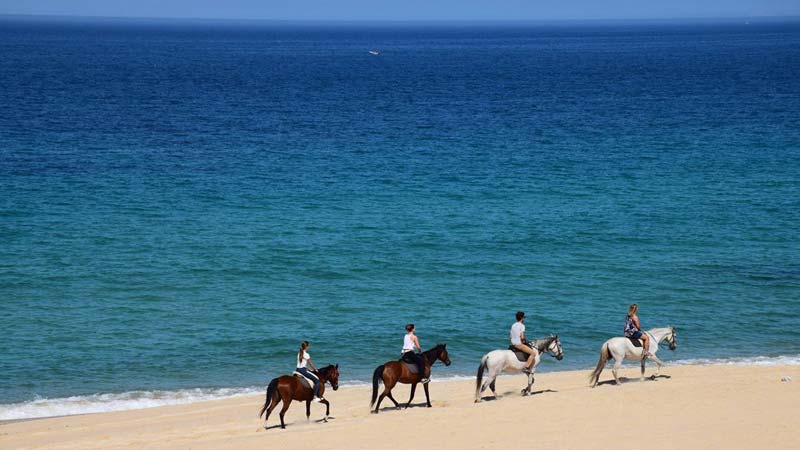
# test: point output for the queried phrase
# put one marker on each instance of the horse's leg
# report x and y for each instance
(642, 377)
(286, 403)
(327, 409)
(527, 390)
(391, 397)
(491, 378)
(615, 370)
(659, 365)
(411, 397)
(273, 403)
(427, 395)
(388, 384)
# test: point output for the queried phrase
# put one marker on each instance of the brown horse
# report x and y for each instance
(287, 388)
(395, 371)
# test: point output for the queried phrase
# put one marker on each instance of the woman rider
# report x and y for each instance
(633, 329)
(303, 359)
(411, 343)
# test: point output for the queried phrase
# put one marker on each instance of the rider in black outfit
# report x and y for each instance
(411, 343)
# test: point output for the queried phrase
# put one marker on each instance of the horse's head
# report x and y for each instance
(443, 356)
(671, 339)
(331, 375)
(555, 348)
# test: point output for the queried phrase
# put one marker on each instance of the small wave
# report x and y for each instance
(86, 404)
(97, 403)
(783, 360)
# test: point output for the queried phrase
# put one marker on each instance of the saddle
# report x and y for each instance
(634, 341)
(411, 367)
(308, 383)
(522, 356)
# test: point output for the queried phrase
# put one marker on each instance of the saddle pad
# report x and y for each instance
(635, 342)
(306, 382)
(411, 367)
(522, 356)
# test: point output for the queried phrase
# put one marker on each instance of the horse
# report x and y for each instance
(288, 387)
(395, 371)
(498, 361)
(621, 348)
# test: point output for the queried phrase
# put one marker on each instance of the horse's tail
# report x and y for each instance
(601, 364)
(270, 390)
(479, 378)
(376, 378)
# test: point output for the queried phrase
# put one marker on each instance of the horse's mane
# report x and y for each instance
(434, 351)
(544, 342)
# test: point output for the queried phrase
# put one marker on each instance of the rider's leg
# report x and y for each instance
(420, 361)
(531, 354)
(646, 345)
(313, 377)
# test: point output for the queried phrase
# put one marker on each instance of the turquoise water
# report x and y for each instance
(183, 203)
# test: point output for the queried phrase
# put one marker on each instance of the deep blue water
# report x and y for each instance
(182, 203)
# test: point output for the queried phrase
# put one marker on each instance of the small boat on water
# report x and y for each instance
(374, 52)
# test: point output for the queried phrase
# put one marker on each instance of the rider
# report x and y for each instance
(407, 354)
(303, 359)
(519, 342)
(633, 329)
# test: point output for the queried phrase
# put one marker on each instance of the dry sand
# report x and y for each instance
(721, 407)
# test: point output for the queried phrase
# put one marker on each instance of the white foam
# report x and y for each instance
(783, 360)
(96, 403)
(86, 404)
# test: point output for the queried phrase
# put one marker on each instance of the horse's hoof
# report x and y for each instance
(373, 412)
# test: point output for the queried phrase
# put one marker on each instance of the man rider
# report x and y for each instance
(519, 342)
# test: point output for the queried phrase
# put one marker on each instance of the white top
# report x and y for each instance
(516, 333)
(303, 360)
(408, 344)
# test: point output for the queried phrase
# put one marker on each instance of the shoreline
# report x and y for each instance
(695, 406)
(162, 398)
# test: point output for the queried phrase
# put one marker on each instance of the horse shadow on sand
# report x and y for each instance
(402, 406)
(624, 380)
(299, 423)
(515, 393)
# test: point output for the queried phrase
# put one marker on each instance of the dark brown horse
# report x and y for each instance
(287, 388)
(395, 371)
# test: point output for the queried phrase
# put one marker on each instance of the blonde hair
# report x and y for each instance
(633, 309)
(303, 346)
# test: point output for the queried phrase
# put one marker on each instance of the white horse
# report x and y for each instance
(498, 361)
(621, 348)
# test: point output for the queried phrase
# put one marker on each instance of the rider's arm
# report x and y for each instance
(311, 364)
(416, 343)
(636, 321)
(522, 338)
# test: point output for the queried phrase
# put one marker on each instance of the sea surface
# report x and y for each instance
(181, 203)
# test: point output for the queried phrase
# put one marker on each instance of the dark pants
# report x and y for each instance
(311, 376)
(415, 358)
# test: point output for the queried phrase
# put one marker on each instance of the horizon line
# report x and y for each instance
(66, 17)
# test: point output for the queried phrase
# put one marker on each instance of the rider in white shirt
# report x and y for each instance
(518, 341)
(303, 360)
(411, 343)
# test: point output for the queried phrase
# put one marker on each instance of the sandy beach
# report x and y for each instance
(689, 407)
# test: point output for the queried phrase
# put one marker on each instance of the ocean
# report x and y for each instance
(183, 202)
